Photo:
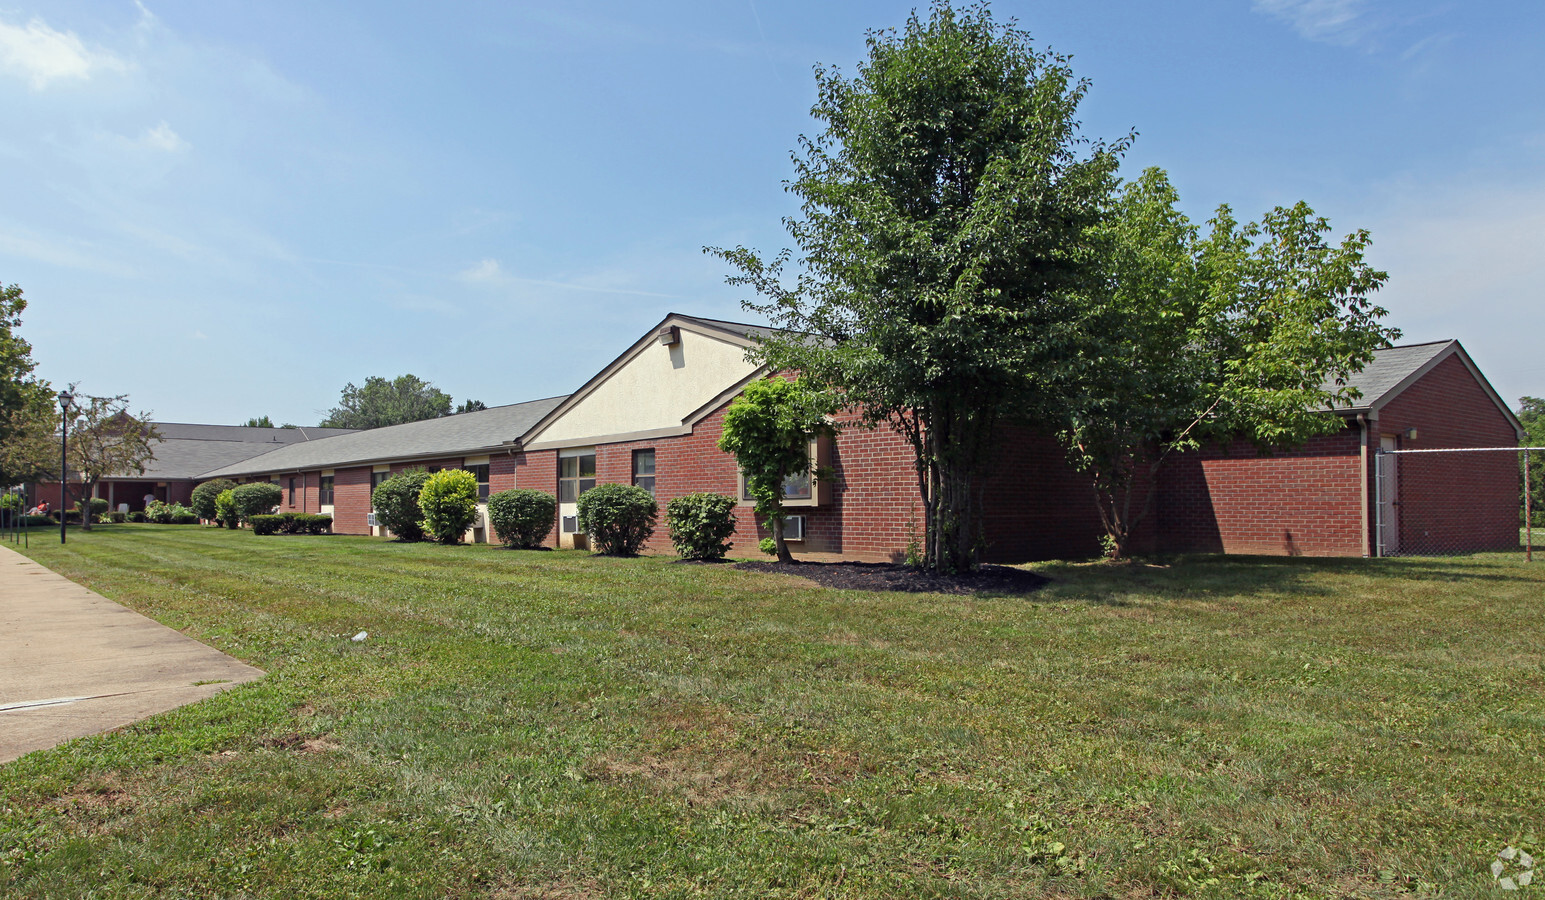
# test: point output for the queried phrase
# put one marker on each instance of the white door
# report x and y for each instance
(576, 474)
(1389, 497)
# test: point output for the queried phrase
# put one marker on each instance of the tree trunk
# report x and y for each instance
(782, 546)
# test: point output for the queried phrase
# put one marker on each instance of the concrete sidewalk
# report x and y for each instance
(73, 662)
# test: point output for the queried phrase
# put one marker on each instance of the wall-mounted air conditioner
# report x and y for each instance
(570, 524)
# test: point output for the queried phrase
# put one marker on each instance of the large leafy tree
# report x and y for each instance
(381, 402)
(106, 440)
(1531, 412)
(1251, 332)
(946, 249)
(768, 430)
(28, 421)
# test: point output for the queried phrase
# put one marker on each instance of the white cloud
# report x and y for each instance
(1330, 21)
(162, 137)
(42, 55)
(485, 272)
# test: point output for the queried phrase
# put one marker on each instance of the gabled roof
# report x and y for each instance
(487, 430)
(186, 451)
(1394, 369)
(735, 333)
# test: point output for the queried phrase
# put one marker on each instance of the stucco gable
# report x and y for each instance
(655, 389)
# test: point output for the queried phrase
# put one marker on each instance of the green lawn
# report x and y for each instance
(525, 724)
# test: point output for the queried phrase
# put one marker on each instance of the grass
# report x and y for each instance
(524, 724)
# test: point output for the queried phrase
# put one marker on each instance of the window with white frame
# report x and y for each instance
(576, 474)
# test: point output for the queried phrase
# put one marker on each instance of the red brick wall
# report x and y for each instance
(1452, 502)
(1303, 502)
(351, 500)
(1037, 506)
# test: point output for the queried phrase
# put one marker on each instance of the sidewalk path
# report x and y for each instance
(73, 662)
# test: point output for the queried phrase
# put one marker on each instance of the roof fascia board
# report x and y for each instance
(366, 461)
(601, 377)
(1452, 349)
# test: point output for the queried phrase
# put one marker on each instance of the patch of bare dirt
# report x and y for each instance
(702, 782)
(858, 576)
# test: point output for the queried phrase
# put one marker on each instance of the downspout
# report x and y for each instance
(1362, 467)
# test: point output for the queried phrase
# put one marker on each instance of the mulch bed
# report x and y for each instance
(856, 576)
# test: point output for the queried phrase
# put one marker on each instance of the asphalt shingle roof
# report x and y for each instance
(1389, 368)
(186, 451)
(487, 429)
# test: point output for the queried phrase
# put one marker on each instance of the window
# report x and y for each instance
(375, 481)
(576, 474)
(481, 473)
(292, 491)
(797, 489)
(643, 470)
(325, 491)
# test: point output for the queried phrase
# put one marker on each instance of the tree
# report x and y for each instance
(106, 440)
(946, 249)
(1531, 412)
(28, 421)
(448, 502)
(768, 429)
(1252, 333)
(396, 504)
(471, 406)
(380, 402)
(260, 422)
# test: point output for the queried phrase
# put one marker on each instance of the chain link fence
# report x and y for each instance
(1458, 501)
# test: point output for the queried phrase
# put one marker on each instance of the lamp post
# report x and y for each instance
(66, 403)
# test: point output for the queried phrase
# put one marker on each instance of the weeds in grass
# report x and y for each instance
(526, 724)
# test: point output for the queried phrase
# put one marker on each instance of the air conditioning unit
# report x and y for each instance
(372, 521)
(570, 524)
(794, 528)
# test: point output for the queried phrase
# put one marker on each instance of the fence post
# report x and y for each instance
(1378, 503)
(1528, 514)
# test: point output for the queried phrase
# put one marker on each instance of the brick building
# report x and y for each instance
(182, 457)
(654, 415)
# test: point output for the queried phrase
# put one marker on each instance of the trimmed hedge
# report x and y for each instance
(396, 504)
(620, 517)
(701, 525)
(522, 518)
(448, 502)
(291, 523)
(256, 499)
(203, 499)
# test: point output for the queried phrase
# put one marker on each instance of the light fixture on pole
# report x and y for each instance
(66, 403)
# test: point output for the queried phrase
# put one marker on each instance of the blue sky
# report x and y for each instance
(227, 209)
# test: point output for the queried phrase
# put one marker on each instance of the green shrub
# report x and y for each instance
(522, 518)
(203, 499)
(35, 521)
(98, 507)
(396, 504)
(448, 502)
(11, 502)
(701, 525)
(225, 509)
(158, 512)
(258, 499)
(265, 524)
(619, 517)
(118, 518)
(319, 524)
